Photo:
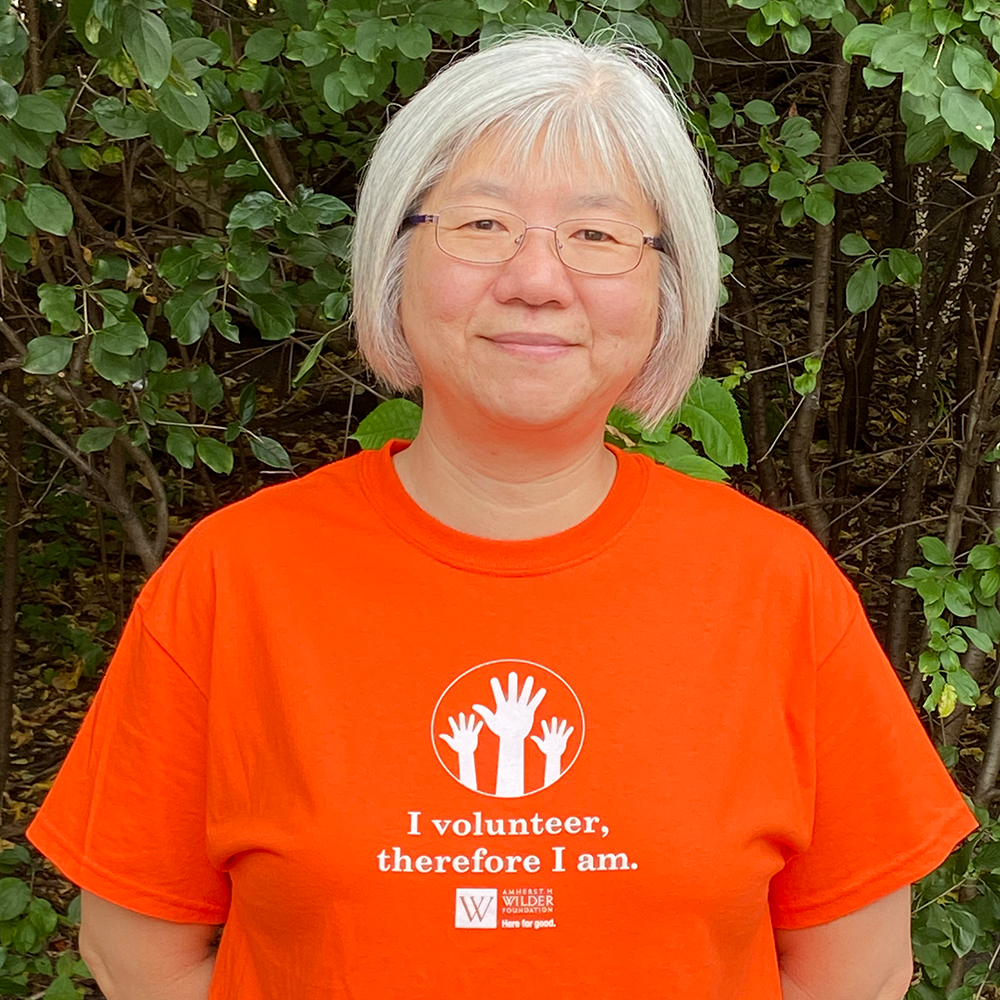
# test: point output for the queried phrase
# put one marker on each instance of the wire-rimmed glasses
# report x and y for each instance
(487, 236)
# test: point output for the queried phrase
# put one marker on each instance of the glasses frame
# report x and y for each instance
(656, 242)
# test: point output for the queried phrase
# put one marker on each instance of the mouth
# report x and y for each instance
(537, 345)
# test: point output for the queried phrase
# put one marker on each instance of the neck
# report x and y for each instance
(518, 485)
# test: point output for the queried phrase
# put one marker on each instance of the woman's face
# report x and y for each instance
(528, 343)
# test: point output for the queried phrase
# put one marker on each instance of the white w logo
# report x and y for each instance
(475, 907)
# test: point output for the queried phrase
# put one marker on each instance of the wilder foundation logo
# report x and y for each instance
(507, 728)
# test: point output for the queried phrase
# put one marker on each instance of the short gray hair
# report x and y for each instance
(610, 101)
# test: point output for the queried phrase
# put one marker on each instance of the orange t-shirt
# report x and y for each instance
(397, 760)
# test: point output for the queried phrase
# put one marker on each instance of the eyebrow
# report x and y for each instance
(596, 199)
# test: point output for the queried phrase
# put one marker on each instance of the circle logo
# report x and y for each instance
(507, 728)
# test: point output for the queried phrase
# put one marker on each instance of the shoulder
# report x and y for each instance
(713, 525)
(271, 531)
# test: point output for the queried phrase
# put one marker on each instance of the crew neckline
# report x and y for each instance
(523, 557)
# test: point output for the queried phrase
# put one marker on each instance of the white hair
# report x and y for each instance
(611, 102)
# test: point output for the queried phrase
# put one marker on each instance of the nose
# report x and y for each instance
(535, 274)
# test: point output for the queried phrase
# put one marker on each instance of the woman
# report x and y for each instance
(507, 712)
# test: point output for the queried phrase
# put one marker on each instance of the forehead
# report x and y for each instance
(497, 168)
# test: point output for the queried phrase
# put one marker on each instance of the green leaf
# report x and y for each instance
(675, 453)
(760, 112)
(905, 266)
(122, 338)
(679, 58)
(8, 100)
(965, 113)
(935, 551)
(307, 47)
(711, 414)
(206, 390)
(120, 120)
(414, 40)
(189, 111)
(216, 455)
(924, 143)
(47, 355)
(115, 368)
(981, 639)
(180, 444)
(754, 174)
(108, 267)
(223, 322)
(395, 419)
(187, 311)
(897, 51)
(61, 988)
(876, 77)
(409, 76)
(861, 40)
(854, 245)
(48, 209)
(248, 402)
(862, 288)
(180, 265)
(248, 259)
(972, 69)
(962, 929)
(57, 304)
(270, 452)
(271, 314)
(854, 177)
(255, 211)
(264, 45)
(957, 599)
(757, 29)
(797, 38)
(726, 229)
(309, 362)
(984, 557)
(95, 439)
(39, 114)
(819, 205)
(785, 186)
(147, 41)
(14, 898)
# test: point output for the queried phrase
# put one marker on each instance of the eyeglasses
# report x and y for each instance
(486, 236)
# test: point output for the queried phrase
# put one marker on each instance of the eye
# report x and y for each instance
(485, 226)
(593, 236)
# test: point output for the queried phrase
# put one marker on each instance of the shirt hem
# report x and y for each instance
(874, 885)
(113, 888)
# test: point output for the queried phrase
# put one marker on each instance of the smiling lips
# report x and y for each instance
(536, 345)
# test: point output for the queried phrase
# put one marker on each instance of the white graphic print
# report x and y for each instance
(475, 907)
(504, 750)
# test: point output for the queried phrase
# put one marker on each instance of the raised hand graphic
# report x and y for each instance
(511, 722)
(553, 744)
(464, 740)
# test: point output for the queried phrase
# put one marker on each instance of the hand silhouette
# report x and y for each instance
(464, 737)
(512, 721)
(553, 744)
(464, 740)
(554, 739)
(515, 714)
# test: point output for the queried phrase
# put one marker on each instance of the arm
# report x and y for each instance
(863, 956)
(135, 957)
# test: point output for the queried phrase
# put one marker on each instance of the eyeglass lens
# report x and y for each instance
(487, 236)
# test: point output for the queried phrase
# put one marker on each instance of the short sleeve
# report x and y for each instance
(886, 811)
(125, 818)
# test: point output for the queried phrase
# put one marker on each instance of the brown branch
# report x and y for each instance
(800, 442)
(30, 8)
(123, 507)
(80, 210)
(8, 596)
(280, 166)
